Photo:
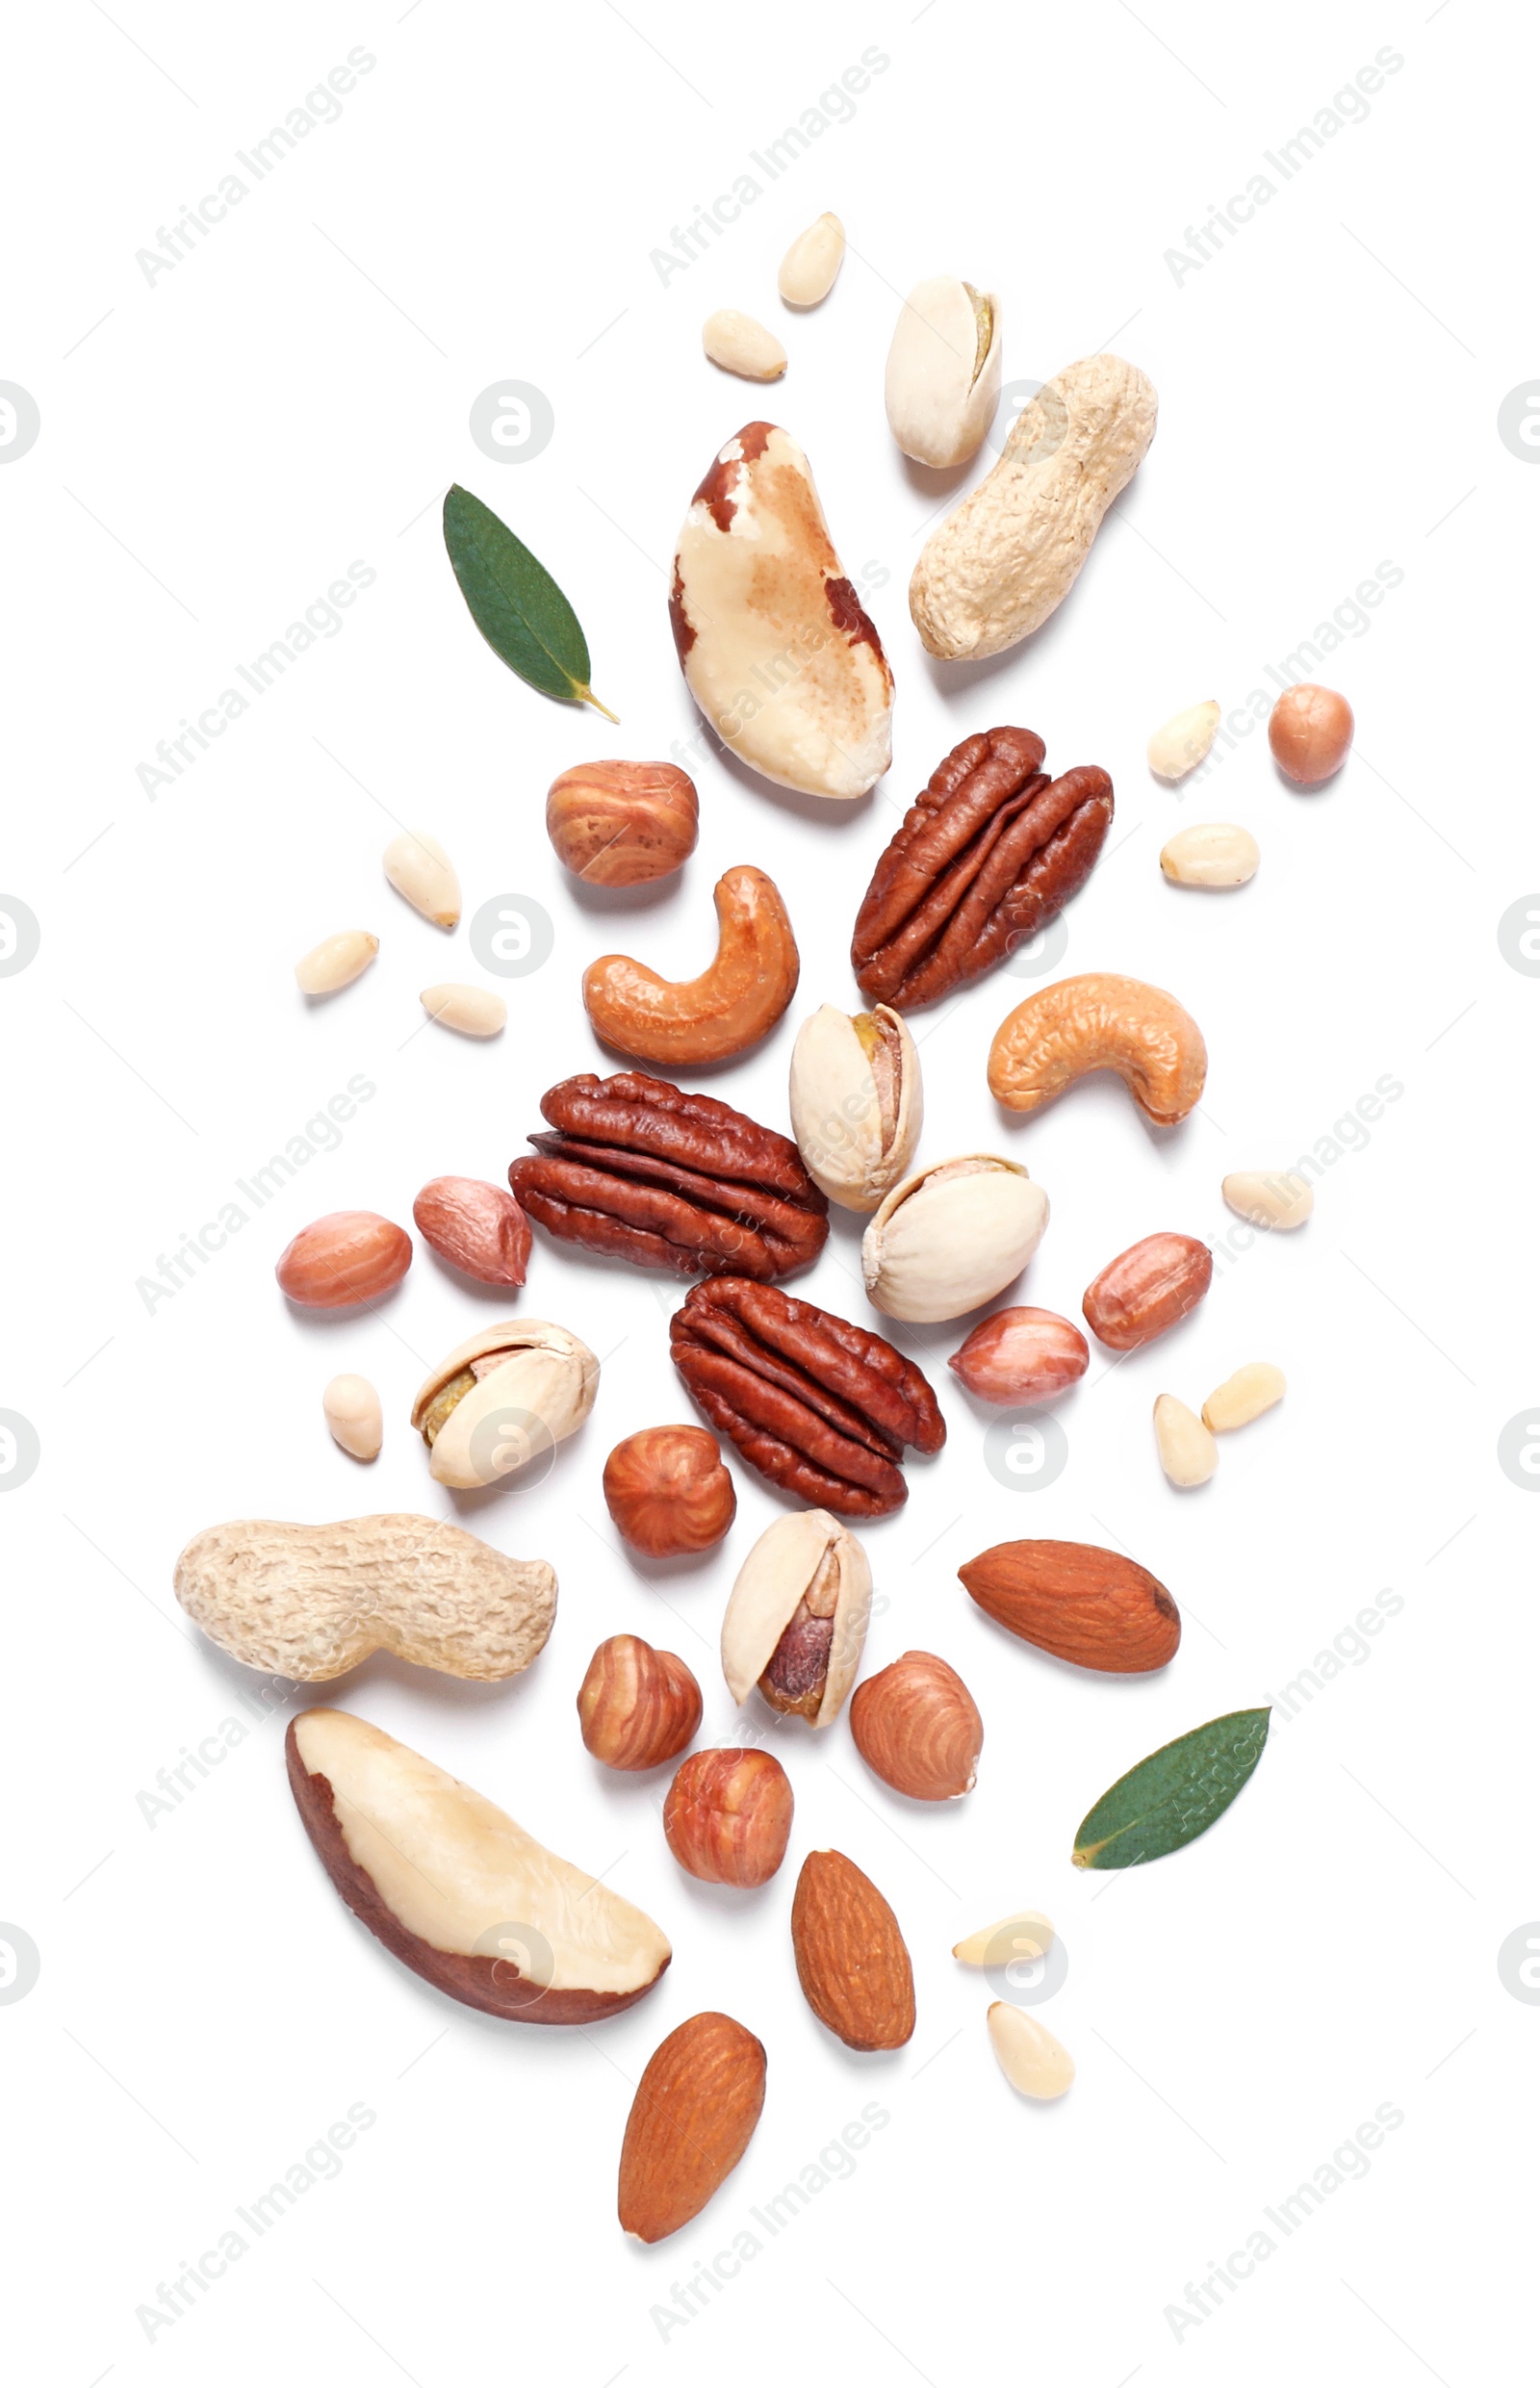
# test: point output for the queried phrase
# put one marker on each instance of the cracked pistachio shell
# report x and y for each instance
(770, 1584)
(952, 1237)
(943, 370)
(536, 1396)
(857, 1137)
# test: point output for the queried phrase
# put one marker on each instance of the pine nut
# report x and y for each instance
(1244, 1395)
(1188, 1451)
(1211, 854)
(1270, 1197)
(352, 1411)
(417, 867)
(1030, 2057)
(335, 962)
(810, 266)
(475, 1011)
(741, 346)
(1179, 745)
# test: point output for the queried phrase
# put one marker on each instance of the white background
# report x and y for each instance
(216, 447)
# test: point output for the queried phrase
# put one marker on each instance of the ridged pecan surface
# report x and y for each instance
(821, 1407)
(636, 1167)
(986, 855)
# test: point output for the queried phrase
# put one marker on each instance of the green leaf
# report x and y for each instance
(515, 604)
(1173, 1795)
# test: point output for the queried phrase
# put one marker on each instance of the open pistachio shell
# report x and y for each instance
(770, 1588)
(943, 383)
(536, 1386)
(857, 1106)
(952, 1237)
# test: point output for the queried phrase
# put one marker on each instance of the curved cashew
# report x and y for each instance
(1100, 1022)
(729, 1006)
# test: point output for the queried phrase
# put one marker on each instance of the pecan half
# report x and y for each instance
(986, 855)
(635, 1168)
(822, 1408)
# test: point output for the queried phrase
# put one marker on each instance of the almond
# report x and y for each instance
(693, 2116)
(916, 1727)
(851, 1959)
(1094, 1607)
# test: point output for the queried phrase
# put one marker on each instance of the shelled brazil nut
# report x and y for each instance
(456, 1891)
(772, 638)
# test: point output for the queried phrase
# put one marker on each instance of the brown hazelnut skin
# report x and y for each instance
(1310, 731)
(637, 1707)
(668, 1491)
(727, 1816)
(916, 1725)
(618, 824)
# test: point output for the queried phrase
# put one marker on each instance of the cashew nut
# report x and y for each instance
(1100, 1022)
(729, 1006)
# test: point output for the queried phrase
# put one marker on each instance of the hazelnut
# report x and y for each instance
(619, 824)
(727, 1816)
(637, 1707)
(668, 1492)
(1310, 731)
(916, 1727)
